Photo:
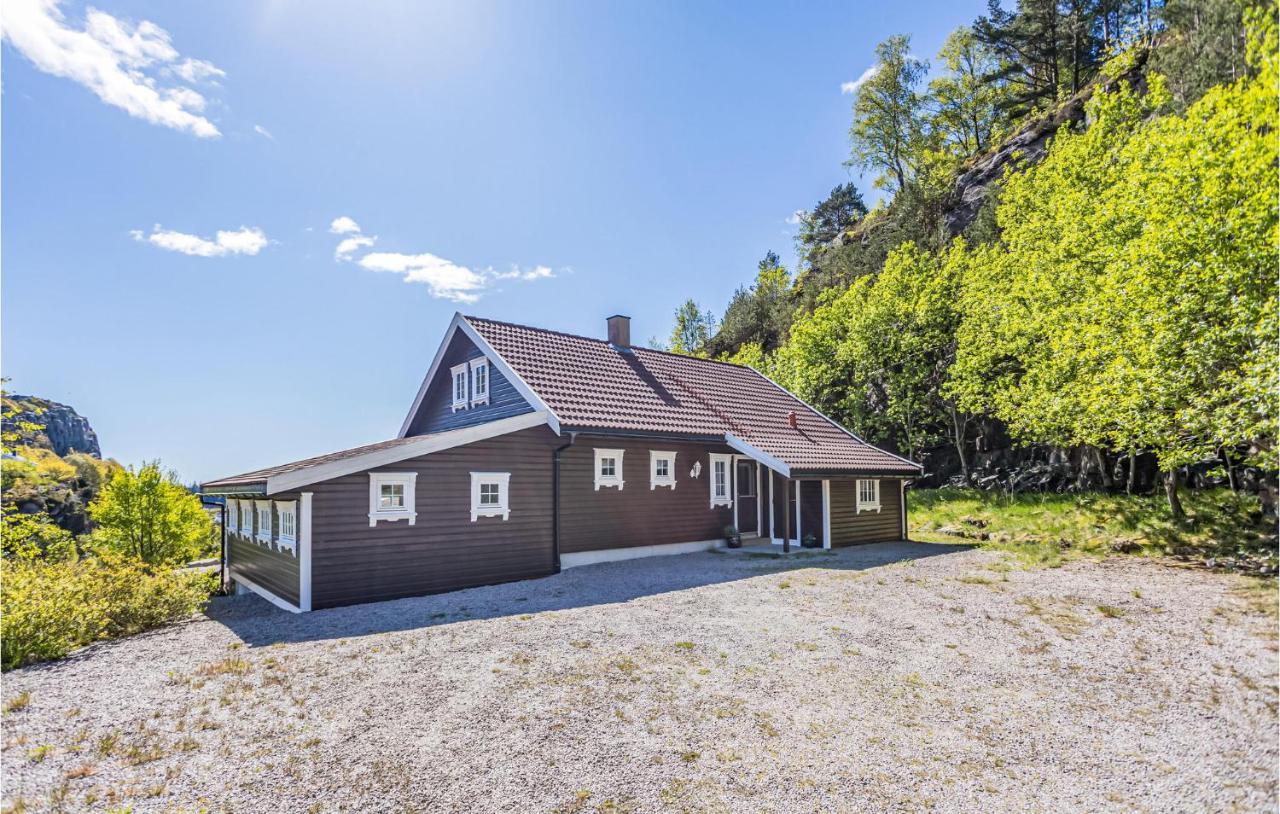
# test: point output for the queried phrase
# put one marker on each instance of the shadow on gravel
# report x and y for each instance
(258, 623)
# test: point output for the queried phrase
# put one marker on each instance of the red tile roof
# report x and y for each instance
(590, 384)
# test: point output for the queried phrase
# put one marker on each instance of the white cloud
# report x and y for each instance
(351, 245)
(344, 226)
(444, 280)
(264, 132)
(795, 217)
(852, 87)
(245, 240)
(517, 273)
(118, 61)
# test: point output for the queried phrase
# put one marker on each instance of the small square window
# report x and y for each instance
(609, 468)
(489, 495)
(868, 495)
(662, 469)
(391, 497)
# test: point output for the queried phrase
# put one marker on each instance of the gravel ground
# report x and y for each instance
(895, 677)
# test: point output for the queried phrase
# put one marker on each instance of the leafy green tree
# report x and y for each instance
(147, 514)
(832, 217)
(759, 314)
(968, 98)
(693, 327)
(1203, 45)
(33, 536)
(888, 115)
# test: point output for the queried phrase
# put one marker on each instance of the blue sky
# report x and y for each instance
(548, 163)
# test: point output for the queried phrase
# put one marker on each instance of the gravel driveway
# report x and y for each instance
(897, 677)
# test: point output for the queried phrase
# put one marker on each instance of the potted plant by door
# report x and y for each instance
(809, 541)
(732, 537)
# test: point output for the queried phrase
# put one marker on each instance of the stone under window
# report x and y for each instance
(490, 495)
(662, 469)
(868, 495)
(608, 464)
(391, 497)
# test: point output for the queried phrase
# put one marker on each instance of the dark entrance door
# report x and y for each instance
(747, 504)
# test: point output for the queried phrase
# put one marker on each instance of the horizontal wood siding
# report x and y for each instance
(436, 413)
(592, 520)
(811, 509)
(848, 527)
(277, 571)
(444, 550)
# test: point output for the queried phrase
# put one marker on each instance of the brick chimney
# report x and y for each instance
(619, 331)
(791, 419)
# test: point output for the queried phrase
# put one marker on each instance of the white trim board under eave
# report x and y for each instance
(459, 323)
(776, 464)
(425, 445)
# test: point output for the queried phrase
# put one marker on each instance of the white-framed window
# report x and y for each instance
(459, 386)
(489, 495)
(868, 495)
(662, 469)
(479, 381)
(609, 468)
(264, 520)
(233, 517)
(391, 497)
(246, 518)
(719, 480)
(288, 536)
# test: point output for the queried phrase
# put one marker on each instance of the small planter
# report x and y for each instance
(809, 541)
(732, 537)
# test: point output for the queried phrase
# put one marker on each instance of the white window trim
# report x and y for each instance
(288, 507)
(233, 517)
(669, 480)
(727, 498)
(263, 535)
(867, 505)
(615, 480)
(247, 516)
(480, 398)
(503, 508)
(408, 512)
(459, 403)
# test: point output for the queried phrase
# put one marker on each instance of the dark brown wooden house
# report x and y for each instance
(527, 451)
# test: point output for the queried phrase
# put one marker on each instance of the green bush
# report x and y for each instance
(147, 514)
(48, 608)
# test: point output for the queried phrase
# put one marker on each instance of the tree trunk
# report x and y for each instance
(1231, 477)
(1171, 480)
(1133, 472)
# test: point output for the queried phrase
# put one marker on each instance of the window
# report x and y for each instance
(746, 479)
(459, 387)
(288, 536)
(246, 518)
(264, 520)
(662, 469)
(609, 468)
(233, 517)
(489, 495)
(391, 497)
(868, 495)
(479, 381)
(720, 480)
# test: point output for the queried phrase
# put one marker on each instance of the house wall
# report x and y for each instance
(811, 510)
(444, 550)
(436, 412)
(592, 520)
(266, 566)
(849, 527)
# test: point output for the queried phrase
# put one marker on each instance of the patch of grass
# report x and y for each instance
(39, 753)
(685, 645)
(1221, 529)
(80, 772)
(231, 665)
(975, 579)
(1054, 613)
(690, 757)
(1111, 611)
(18, 703)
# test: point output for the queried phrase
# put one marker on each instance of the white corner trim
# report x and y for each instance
(776, 464)
(669, 480)
(826, 514)
(503, 507)
(581, 558)
(454, 373)
(459, 323)
(727, 498)
(616, 480)
(284, 604)
(478, 363)
(426, 445)
(407, 512)
(304, 552)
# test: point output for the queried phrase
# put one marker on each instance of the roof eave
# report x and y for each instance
(232, 489)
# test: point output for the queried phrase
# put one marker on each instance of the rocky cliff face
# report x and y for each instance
(64, 430)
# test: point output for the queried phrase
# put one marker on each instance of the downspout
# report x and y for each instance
(555, 502)
(222, 561)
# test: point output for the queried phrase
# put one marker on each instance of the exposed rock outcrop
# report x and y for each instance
(63, 429)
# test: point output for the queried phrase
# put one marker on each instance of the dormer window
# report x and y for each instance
(460, 387)
(479, 381)
(609, 468)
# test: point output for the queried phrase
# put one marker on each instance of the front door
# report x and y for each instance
(746, 506)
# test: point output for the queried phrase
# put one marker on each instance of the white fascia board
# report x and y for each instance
(776, 464)
(459, 323)
(289, 481)
(833, 422)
